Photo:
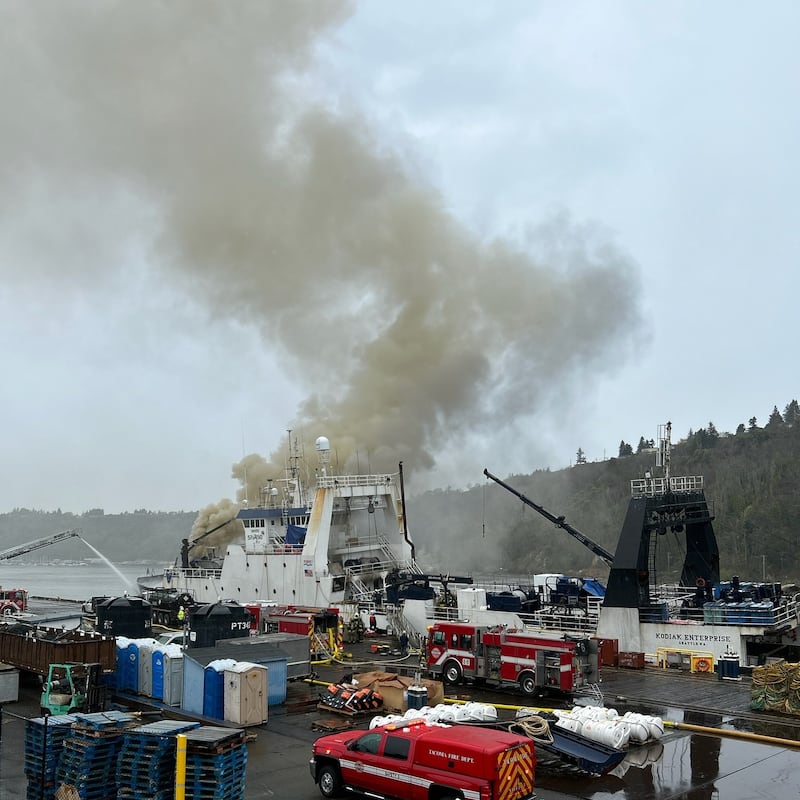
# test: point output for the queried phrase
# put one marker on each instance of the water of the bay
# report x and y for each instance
(78, 581)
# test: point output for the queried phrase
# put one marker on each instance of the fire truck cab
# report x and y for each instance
(536, 663)
(12, 601)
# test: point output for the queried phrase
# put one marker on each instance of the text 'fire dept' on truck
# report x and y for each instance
(417, 761)
(534, 663)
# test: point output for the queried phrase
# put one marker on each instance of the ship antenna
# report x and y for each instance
(323, 447)
(246, 499)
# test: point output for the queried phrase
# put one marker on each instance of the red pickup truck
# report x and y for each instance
(416, 761)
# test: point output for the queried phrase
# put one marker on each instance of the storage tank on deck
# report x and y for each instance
(223, 620)
(124, 616)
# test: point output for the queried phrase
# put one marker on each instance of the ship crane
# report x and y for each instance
(559, 522)
(187, 545)
(22, 549)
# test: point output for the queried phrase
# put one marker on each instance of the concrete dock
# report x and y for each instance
(714, 745)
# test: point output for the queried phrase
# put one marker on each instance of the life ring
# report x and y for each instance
(702, 665)
(700, 583)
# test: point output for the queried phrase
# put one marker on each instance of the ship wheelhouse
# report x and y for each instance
(274, 530)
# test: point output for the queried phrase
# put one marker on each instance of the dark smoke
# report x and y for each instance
(405, 330)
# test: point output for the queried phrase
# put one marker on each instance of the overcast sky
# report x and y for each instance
(461, 235)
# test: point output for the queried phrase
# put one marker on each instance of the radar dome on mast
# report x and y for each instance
(323, 447)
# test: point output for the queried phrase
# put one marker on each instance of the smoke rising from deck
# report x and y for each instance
(404, 330)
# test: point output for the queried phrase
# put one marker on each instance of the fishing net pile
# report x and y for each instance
(776, 687)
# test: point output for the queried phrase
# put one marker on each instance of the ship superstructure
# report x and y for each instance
(338, 546)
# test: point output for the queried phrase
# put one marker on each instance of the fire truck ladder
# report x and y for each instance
(22, 549)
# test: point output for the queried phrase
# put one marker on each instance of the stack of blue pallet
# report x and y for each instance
(44, 741)
(146, 762)
(88, 762)
(216, 760)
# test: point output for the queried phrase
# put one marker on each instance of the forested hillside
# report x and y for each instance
(751, 480)
(136, 536)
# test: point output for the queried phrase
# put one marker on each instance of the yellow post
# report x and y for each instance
(180, 767)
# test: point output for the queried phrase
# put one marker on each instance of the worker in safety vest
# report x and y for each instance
(181, 615)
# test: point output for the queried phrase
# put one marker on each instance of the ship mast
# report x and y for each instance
(664, 451)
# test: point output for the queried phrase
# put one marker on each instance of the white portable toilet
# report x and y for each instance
(172, 679)
(146, 648)
(245, 693)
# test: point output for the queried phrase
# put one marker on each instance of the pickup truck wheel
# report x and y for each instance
(330, 784)
(452, 672)
(527, 684)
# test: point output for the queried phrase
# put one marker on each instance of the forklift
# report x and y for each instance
(73, 687)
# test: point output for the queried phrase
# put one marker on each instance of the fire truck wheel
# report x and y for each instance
(452, 672)
(527, 683)
(330, 784)
(9, 610)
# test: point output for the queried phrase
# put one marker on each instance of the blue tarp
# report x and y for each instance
(295, 534)
(594, 587)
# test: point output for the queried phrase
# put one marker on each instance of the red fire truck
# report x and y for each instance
(536, 663)
(13, 601)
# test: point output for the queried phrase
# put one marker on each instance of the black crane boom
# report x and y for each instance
(559, 522)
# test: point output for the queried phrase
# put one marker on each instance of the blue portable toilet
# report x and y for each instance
(127, 665)
(157, 660)
(214, 688)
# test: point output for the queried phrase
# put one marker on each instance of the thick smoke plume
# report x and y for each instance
(405, 330)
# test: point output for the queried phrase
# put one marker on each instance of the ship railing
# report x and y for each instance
(654, 487)
(583, 624)
(369, 567)
(194, 572)
(359, 591)
(678, 603)
(277, 546)
(372, 544)
(347, 481)
(579, 623)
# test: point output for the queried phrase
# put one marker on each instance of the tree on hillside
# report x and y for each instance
(775, 421)
(752, 424)
(791, 413)
(625, 449)
(704, 437)
(740, 429)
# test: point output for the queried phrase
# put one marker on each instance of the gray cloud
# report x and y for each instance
(193, 139)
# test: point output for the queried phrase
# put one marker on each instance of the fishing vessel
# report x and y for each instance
(704, 619)
(344, 541)
(698, 623)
